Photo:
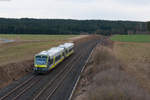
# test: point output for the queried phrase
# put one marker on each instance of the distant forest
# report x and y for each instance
(68, 26)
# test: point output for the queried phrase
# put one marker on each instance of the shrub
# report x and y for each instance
(109, 81)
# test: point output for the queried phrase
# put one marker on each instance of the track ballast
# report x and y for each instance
(55, 85)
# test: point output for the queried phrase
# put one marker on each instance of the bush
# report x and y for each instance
(114, 84)
(108, 79)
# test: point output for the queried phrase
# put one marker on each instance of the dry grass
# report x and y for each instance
(114, 84)
(132, 52)
(137, 58)
(29, 37)
(106, 78)
(15, 52)
(26, 46)
(102, 59)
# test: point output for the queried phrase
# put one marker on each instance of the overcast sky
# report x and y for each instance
(137, 10)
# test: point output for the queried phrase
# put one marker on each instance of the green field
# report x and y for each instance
(36, 37)
(131, 38)
(26, 46)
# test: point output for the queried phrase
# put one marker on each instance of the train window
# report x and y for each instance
(63, 54)
(41, 60)
(70, 49)
(57, 57)
(66, 51)
(50, 61)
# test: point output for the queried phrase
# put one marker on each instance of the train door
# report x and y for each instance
(57, 59)
(66, 52)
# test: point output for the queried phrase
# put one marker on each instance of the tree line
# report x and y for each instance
(68, 26)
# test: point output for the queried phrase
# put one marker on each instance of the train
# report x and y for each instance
(48, 60)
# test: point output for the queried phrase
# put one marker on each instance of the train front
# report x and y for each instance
(40, 63)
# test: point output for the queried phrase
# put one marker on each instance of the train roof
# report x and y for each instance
(56, 50)
(42, 53)
(52, 52)
(67, 45)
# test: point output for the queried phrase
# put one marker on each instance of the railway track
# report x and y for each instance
(19, 90)
(29, 89)
(49, 89)
(15, 89)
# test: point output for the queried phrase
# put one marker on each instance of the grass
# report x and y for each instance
(114, 84)
(137, 58)
(131, 38)
(26, 46)
(118, 73)
(111, 80)
(107, 78)
(132, 52)
(35, 37)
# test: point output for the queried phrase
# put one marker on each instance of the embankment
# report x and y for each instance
(106, 78)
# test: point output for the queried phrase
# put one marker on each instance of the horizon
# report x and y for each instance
(71, 19)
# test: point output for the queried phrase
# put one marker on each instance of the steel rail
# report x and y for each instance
(52, 81)
(62, 78)
(16, 88)
(25, 89)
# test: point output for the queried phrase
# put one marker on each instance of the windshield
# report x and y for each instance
(41, 60)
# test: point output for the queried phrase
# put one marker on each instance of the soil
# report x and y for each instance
(14, 71)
